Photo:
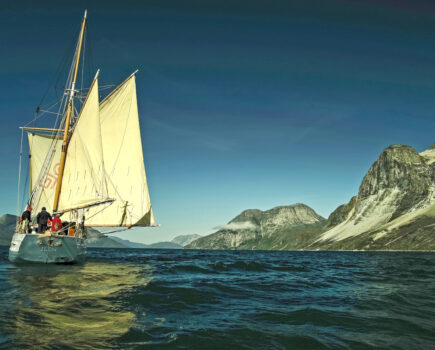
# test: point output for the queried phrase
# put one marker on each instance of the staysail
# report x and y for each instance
(44, 155)
(84, 179)
(123, 161)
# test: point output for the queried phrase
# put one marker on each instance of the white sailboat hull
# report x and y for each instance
(54, 249)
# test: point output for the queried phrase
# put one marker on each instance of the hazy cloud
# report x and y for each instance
(236, 226)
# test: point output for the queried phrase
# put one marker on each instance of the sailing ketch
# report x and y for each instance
(89, 169)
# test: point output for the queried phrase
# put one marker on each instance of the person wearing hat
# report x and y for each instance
(25, 218)
(41, 219)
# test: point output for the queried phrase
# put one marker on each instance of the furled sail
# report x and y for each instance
(44, 156)
(123, 161)
(83, 179)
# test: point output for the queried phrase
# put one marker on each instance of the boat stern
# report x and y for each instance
(46, 249)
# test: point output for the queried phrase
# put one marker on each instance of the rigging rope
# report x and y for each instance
(55, 78)
(98, 212)
(90, 65)
(83, 56)
(65, 61)
(38, 116)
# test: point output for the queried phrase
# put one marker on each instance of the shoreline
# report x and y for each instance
(274, 250)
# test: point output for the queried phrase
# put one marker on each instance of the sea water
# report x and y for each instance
(191, 299)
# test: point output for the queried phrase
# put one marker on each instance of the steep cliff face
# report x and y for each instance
(397, 191)
(284, 227)
(399, 171)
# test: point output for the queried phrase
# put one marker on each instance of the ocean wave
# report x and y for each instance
(142, 299)
(239, 265)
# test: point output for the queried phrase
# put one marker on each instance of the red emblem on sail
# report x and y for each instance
(50, 178)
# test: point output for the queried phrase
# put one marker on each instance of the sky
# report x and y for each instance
(243, 104)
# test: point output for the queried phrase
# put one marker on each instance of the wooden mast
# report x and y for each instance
(68, 118)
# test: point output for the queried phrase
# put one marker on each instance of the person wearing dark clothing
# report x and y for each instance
(25, 217)
(26, 214)
(41, 219)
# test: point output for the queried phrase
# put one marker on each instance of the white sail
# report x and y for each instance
(123, 161)
(83, 179)
(44, 156)
(94, 175)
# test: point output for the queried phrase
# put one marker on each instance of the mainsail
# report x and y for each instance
(123, 162)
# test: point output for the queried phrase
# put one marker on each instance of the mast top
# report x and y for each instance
(86, 13)
(68, 115)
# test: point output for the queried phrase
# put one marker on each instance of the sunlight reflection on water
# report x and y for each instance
(66, 305)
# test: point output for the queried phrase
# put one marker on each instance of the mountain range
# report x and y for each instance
(97, 239)
(393, 210)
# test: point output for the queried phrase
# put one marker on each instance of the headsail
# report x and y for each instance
(83, 178)
(44, 155)
(123, 161)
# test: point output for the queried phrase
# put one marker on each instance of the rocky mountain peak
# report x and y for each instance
(295, 214)
(252, 215)
(400, 167)
(267, 229)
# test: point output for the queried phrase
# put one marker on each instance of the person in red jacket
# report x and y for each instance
(56, 224)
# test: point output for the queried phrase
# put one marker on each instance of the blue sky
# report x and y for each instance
(243, 104)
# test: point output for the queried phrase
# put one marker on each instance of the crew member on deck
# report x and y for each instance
(25, 219)
(56, 224)
(41, 219)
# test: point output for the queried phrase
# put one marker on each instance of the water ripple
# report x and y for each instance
(175, 299)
